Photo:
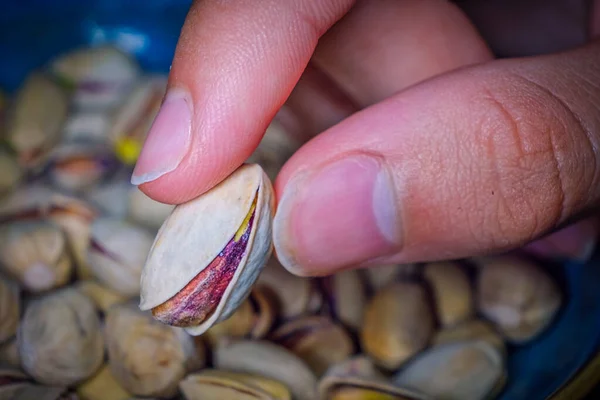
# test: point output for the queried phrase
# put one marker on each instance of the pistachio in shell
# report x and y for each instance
(347, 297)
(117, 254)
(451, 291)
(9, 353)
(317, 340)
(145, 211)
(10, 308)
(15, 385)
(36, 254)
(209, 252)
(102, 386)
(456, 371)
(269, 360)
(398, 323)
(146, 357)
(60, 340)
(211, 384)
(103, 297)
(86, 125)
(379, 276)
(517, 296)
(34, 122)
(11, 173)
(474, 329)
(111, 196)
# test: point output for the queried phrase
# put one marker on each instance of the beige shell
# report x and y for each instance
(86, 125)
(146, 211)
(348, 297)
(36, 254)
(451, 290)
(117, 254)
(379, 276)
(103, 297)
(195, 236)
(146, 357)
(60, 340)
(10, 308)
(456, 371)
(398, 323)
(15, 385)
(475, 329)
(9, 353)
(269, 360)
(517, 296)
(102, 386)
(11, 173)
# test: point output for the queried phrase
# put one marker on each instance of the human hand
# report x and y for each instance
(422, 147)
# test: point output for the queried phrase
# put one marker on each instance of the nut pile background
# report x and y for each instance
(74, 236)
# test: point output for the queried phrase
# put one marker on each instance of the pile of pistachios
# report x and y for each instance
(106, 294)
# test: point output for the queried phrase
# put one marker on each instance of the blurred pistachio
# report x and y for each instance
(11, 173)
(15, 385)
(380, 275)
(102, 386)
(103, 297)
(347, 297)
(111, 197)
(117, 254)
(398, 323)
(451, 291)
(34, 121)
(145, 356)
(86, 126)
(36, 254)
(60, 340)
(474, 329)
(517, 296)
(10, 308)
(317, 340)
(9, 353)
(146, 211)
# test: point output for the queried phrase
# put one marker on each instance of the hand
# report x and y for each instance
(422, 146)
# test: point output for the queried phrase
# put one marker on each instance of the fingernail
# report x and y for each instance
(343, 214)
(167, 142)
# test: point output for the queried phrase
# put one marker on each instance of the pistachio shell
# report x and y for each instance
(317, 340)
(269, 360)
(347, 297)
(145, 211)
(517, 296)
(10, 308)
(86, 125)
(223, 385)
(102, 386)
(146, 357)
(220, 240)
(398, 323)
(381, 275)
(15, 385)
(11, 173)
(475, 329)
(456, 371)
(103, 297)
(111, 197)
(452, 292)
(117, 254)
(9, 353)
(36, 254)
(59, 339)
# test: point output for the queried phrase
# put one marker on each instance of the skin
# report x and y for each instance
(484, 115)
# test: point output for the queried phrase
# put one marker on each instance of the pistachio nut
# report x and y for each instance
(347, 297)
(455, 371)
(10, 308)
(11, 173)
(102, 386)
(103, 297)
(317, 340)
(211, 384)
(254, 318)
(451, 290)
(99, 75)
(117, 254)
(86, 125)
(357, 379)
(146, 357)
(133, 119)
(34, 122)
(517, 296)
(274, 149)
(59, 339)
(398, 323)
(36, 254)
(380, 275)
(146, 211)
(294, 295)
(9, 353)
(269, 360)
(209, 253)
(474, 329)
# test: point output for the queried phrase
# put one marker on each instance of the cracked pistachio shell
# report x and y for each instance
(347, 297)
(475, 329)
(103, 297)
(11, 173)
(269, 360)
(117, 254)
(294, 295)
(102, 386)
(357, 379)
(317, 340)
(60, 340)
(10, 308)
(100, 75)
(517, 296)
(455, 371)
(146, 357)
(34, 122)
(146, 211)
(452, 292)
(209, 252)
(398, 323)
(36, 254)
(213, 384)
(9, 353)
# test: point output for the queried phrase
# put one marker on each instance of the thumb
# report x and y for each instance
(479, 160)
(228, 79)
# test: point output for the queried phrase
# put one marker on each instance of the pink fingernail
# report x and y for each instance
(168, 140)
